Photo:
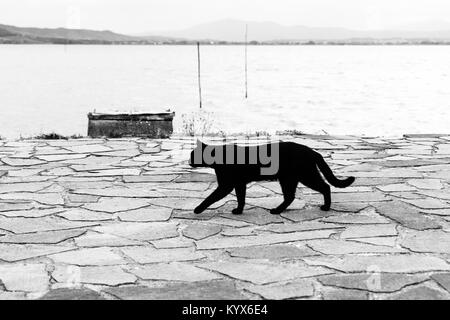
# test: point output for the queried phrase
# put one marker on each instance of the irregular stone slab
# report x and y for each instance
(24, 277)
(179, 203)
(405, 263)
(174, 272)
(21, 162)
(48, 237)
(343, 294)
(190, 215)
(60, 157)
(141, 231)
(150, 178)
(357, 219)
(172, 243)
(360, 167)
(298, 289)
(258, 273)
(74, 183)
(441, 194)
(389, 173)
(352, 207)
(443, 279)
(82, 198)
(392, 163)
(432, 184)
(420, 293)
(427, 241)
(255, 216)
(428, 203)
(233, 232)
(72, 294)
(305, 226)
(124, 192)
(196, 177)
(89, 257)
(88, 148)
(199, 231)
(173, 193)
(379, 241)
(150, 255)
(211, 290)
(27, 225)
(366, 197)
(93, 239)
(117, 204)
(147, 214)
(273, 252)
(219, 242)
(306, 214)
(399, 187)
(15, 206)
(109, 275)
(406, 215)
(377, 181)
(33, 213)
(132, 152)
(230, 223)
(17, 252)
(106, 172)
(24, 187)
(85, 215)
(332, 246)
(44, 198)
(273, 202)
(373, 282)
(186, 186)
(368, 231)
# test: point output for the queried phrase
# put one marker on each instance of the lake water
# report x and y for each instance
(366, 90)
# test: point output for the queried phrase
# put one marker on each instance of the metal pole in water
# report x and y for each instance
(199, 79)
(246, 86)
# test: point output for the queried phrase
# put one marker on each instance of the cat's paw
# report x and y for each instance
(275, 211)
(325, 208)
(198, 210)
(236, 211)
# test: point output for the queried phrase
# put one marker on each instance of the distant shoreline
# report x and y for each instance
(208, 43)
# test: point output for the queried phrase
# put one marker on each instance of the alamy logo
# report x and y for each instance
(266, 156)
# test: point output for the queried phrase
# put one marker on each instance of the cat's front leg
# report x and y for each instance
(240, 195)
(219, 193)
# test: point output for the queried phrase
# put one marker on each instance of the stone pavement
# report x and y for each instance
(112, 219)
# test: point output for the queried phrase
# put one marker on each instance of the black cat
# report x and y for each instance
(287, 162)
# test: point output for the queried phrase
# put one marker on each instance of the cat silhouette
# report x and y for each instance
(288, 162)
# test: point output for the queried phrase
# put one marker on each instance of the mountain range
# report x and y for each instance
(11, 34)
(226, 31)
(234, 31)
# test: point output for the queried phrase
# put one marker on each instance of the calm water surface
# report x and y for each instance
(367, 90)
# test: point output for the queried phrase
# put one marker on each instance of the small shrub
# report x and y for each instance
(56, 136)
(50, 136)
(199, 122)
(290, 132)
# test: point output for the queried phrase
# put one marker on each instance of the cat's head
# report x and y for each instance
(196, 159)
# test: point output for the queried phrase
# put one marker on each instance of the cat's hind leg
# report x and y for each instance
(218, 194)
(289, 187)
(315, 182)
(240, 195)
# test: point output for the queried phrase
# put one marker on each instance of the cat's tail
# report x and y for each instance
(331, 178)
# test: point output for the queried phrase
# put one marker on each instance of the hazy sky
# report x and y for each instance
(136, 16)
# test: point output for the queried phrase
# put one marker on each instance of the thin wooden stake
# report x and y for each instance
(246, 81)
(199, 79)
